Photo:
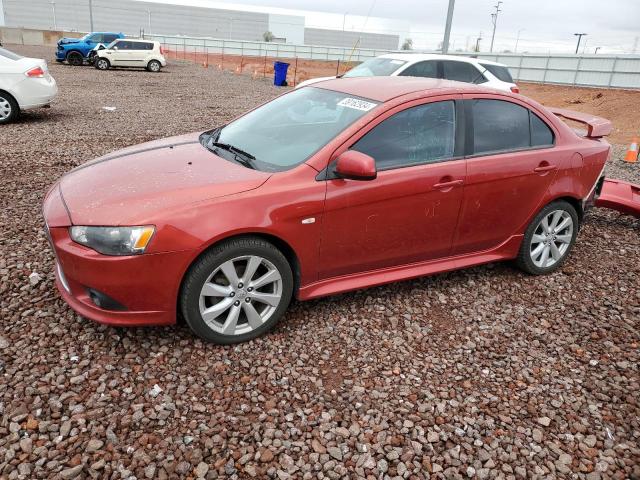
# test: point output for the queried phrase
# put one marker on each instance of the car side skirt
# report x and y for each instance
(330, 286)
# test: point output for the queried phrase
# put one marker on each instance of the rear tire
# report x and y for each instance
(102, 63)
(9, 109)
(236, 291)
(549, 238)
(75, 59)
(154, 66)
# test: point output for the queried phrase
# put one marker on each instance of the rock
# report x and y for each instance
(544, 421)
(266, 456)
(433, 437)
(335, 452)
(71, 473)
(317, 446)
(94, 445)
(34, 278)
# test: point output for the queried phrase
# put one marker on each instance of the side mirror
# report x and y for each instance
(354, 165)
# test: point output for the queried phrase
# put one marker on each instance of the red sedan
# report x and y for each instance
(346, 184)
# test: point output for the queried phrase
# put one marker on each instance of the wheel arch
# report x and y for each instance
(281, 244)
(573, 201)
(75, 50)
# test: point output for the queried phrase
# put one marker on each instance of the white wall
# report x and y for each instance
(290, 27)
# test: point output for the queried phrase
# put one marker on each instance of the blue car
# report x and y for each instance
(76, 50)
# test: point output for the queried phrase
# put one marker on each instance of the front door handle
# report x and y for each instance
(544, 168)
(450, 184)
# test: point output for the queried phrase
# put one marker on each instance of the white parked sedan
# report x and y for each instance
(129, 52)
(25, 83)
(449, 67)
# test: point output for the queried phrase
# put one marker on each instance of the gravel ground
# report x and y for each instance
(484, 373)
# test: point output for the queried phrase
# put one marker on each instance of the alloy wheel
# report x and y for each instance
(240, 295)
(154, 66)
(551, 238)
(5, 108)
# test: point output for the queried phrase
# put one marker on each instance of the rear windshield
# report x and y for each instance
(10, 55)
(375, 67)
(500, 72)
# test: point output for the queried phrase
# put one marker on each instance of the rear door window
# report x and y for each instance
(427, 69)
(417, 135)
(500, 72)
(498, 126)
(461, 72)
(124, 45)
(502, 126)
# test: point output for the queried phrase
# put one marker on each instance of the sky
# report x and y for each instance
(541, 25)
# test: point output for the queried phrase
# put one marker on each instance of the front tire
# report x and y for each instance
(154, 66)
(236, 291)
(102, 63)
(549, 238)
(9, 109)
(75, 59)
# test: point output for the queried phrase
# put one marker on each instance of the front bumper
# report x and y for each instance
(144, 288)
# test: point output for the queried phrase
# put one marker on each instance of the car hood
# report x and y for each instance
(132, 186)
(67, 40)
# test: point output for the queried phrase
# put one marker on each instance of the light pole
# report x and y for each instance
(149, 17)
(91, 15)
(478, 42)
(579, 35)
(344, 19)
(494, 19)
(447, 28)
(515, 49)
(53, 7)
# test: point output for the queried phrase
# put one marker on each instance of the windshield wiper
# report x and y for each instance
(240, 156)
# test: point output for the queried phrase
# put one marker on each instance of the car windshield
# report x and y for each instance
(288, 130)
(502, 73)
(113, 43)
(10, 55)
(375, 67)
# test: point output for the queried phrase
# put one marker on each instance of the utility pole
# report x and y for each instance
(515, 49)
(447, 27)
(596, 50)
(635, 45)
(579, 35)
(494, 20)
(149, 16)
(91, 15)
(478, 42)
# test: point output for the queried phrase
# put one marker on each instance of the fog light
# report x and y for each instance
(104, 301)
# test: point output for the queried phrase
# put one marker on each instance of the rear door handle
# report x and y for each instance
(452, 183)
(544, 168)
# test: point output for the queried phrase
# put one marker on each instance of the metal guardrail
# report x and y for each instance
(620, 71)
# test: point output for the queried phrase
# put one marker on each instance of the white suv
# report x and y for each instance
(448, 67)
(127, 52)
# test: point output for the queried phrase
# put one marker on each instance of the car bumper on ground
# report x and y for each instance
(621, 196)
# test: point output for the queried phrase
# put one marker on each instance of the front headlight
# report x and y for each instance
(114, 240)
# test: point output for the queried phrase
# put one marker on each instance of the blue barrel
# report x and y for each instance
(280, 73)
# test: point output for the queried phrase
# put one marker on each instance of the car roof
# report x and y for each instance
(419, 57)
(384, 88)
(137, 40)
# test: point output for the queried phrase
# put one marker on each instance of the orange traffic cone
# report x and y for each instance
(632, 151)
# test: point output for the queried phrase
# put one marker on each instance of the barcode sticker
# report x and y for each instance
(356, 104)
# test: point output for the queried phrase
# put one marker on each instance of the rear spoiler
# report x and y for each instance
(596, 126)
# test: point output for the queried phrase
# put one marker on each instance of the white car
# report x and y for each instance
(128, 52)
(25, 83)
(449, 67)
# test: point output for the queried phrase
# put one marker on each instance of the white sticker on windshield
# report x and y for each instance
(356, 103)
(396, 62)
